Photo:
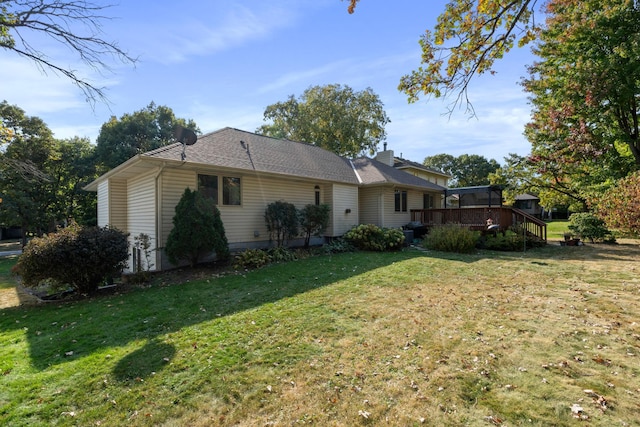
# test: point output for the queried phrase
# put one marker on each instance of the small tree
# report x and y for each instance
(589, 226)
(197, 230)
(281, 219)
(314, 219)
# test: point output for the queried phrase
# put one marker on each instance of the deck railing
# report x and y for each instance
(476, 218)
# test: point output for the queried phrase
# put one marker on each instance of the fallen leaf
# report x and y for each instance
(364, 414)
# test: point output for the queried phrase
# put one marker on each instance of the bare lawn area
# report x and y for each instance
(546, 337)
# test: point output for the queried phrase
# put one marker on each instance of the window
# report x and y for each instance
(208, 187)
(317, 188)
(231, 194)
(401, 201)
(427, 201)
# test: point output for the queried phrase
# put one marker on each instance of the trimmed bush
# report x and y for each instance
(370, 237)
(314, 219)
(197, 230)
(588, 226)
(281, 219)
(79, 257)
(451, 238)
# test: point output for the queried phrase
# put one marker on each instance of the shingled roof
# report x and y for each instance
(375, 172)
(237, 149)
(234, 148)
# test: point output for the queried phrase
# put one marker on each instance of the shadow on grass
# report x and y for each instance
(60, 332)
(142, 363)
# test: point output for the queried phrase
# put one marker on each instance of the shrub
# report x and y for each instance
(588, 226)
(337, 246)
(197, 230)
(451, 238)
(314, 219)
(280, 254)
(370, 237)
(281, 219)
(619, 206)
(80, 257)
(251, 258)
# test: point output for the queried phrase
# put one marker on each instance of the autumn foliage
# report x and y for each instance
(620, 206)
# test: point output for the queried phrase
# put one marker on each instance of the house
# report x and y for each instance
(530, 204)
(421, 171)
(243, 172)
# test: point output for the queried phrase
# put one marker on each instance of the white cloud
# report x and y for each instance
(210, 29)
(33, 90)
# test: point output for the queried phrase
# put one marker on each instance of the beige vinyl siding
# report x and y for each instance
(141, 208)
(173, 184)
(345, 197)
(370, 205)
(393, 219)
(431, 177)
(244, 225)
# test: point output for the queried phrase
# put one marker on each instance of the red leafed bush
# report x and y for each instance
(619, 207)
(79, 257)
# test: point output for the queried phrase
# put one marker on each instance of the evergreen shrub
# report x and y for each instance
(197, 230)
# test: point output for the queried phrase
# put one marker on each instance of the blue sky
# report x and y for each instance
(222, 62)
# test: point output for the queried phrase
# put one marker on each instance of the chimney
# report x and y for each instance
(385, 156)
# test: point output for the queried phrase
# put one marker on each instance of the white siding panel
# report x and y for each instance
(141, 204)
(118, 204)
(345, 198)
(103, 203)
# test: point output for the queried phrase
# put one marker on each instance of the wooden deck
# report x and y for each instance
(476, 219)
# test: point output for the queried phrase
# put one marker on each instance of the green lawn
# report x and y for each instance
(408, 338)
(556, 229)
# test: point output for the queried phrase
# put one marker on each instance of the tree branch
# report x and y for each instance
(75, 24)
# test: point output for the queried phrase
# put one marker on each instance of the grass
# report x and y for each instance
(556, 229)
(408, 338)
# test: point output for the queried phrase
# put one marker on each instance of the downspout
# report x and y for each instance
(158, 219)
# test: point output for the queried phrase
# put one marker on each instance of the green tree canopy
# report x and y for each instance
(467, 170)
(585, 88)
(144, 130)
(24, 182)
(41, 178)
(72, 166)
(333, 117)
